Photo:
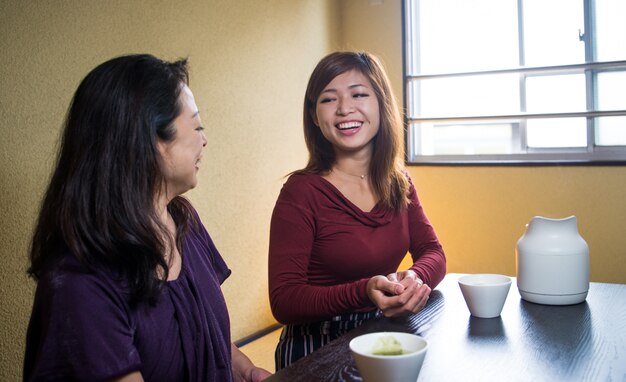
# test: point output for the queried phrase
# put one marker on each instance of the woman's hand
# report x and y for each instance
(404, 277)
(257, 375)
(244, 370)
(398, 294)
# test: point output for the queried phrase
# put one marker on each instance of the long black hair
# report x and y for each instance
(100, 203)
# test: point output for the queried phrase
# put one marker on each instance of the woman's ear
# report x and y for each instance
(161, 146)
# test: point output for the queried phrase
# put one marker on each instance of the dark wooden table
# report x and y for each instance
(528, 342)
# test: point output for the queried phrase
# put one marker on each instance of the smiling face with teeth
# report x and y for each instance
(347, 112)
(180, 157)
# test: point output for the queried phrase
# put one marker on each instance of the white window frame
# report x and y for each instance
(592, 154)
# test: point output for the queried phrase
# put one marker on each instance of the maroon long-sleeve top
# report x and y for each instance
(323, 250)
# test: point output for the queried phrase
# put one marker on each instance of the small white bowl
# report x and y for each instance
(485, 294)
(389, 368)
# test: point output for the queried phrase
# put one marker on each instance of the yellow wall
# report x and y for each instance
(250, 63)
(481, 212)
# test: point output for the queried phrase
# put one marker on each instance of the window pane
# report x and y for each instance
(611, 91)
(551, 32)
(467, 96)
(465, 139)
(556, 132)
(611, 131)
(563, 93)
(610, 30)
(461, 35)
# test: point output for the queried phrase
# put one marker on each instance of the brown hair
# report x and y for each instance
(387, 175)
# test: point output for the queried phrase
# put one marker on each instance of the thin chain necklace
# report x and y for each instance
(347, 173)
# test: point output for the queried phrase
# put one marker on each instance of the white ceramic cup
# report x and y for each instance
(485, 294)
(389, 368)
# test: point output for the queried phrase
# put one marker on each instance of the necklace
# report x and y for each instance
(347, 173)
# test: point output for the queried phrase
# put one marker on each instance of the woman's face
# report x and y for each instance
(347, 112)
(181, 156)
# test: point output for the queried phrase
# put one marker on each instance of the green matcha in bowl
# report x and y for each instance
(389, 356)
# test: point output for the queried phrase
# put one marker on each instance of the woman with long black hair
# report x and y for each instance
(128, 278)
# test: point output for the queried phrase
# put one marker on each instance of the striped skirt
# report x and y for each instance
(299, 340)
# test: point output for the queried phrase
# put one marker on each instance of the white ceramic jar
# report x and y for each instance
(552, 261)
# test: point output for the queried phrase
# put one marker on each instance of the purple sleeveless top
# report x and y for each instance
(83, 328)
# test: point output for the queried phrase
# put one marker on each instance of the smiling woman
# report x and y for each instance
(343, 224)
(347, 113)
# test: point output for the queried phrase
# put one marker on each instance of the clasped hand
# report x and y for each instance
(398, 294)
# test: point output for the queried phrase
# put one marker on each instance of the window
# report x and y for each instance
(515, 81)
